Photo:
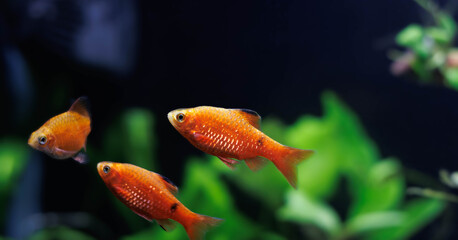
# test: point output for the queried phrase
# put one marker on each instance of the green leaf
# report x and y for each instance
(417, 214)
(374, 221)
(14, 155)
(410, 35)
(451, 75)
(60, 233)
(439, 35)
(342, 148)
(447, 23)
(303, 210)
(422, 49)
(382, 189)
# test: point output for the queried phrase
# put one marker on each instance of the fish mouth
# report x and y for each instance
(170, 116)
(99, 166)
(32, 140)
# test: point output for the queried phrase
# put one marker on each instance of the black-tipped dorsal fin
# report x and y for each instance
(251, 116)
(170, 185)
(80, 106)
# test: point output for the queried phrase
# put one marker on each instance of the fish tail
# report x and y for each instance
(198, 225)
(288, 160)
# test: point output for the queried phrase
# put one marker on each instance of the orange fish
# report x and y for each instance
(152, 196)
(64, 136)
(235, 134)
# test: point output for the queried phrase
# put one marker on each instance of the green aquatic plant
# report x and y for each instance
(429, 52)
(449, 179)
(13, 158)
(345, 157)
(346, 190)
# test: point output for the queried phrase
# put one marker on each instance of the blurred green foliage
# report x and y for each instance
(430, 53)
(347, 167)
(345, 156)
(13, 157)
(60, 233)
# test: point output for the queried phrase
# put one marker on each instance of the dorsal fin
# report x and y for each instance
(251, 116)
(170, 185)
(80, 106)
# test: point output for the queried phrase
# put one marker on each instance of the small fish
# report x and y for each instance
(152, 196)
(64, 136)
(235, 134)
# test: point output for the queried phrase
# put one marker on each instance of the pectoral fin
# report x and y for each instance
(200, 137)
(229, 162)
(63, 154)
(79, 156)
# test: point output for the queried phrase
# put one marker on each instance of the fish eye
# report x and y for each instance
(42, 140)
(106, 169)
(180, 117)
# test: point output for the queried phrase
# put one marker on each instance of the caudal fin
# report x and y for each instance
(197, 226)
(288, 161)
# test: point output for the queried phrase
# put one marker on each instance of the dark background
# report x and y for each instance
(275, 57)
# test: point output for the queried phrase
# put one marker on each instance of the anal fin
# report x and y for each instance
(256, 163)
(166, 224)
(81, 157)
(229, 162)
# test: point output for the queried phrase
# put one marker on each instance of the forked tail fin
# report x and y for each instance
(197, 226)
(287, 162)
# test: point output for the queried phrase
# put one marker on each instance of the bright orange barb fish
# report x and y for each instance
(151, 196)
(235, 133)
(64, 136)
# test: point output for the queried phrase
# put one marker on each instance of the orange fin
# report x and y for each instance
(229, 162)
(80, 106)
(200, 137)
(166, 224)
(197, 226)
(65, 152)
(78, 156)
(256, 163)
(169, 184)
(251, 116)
(287, 162)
